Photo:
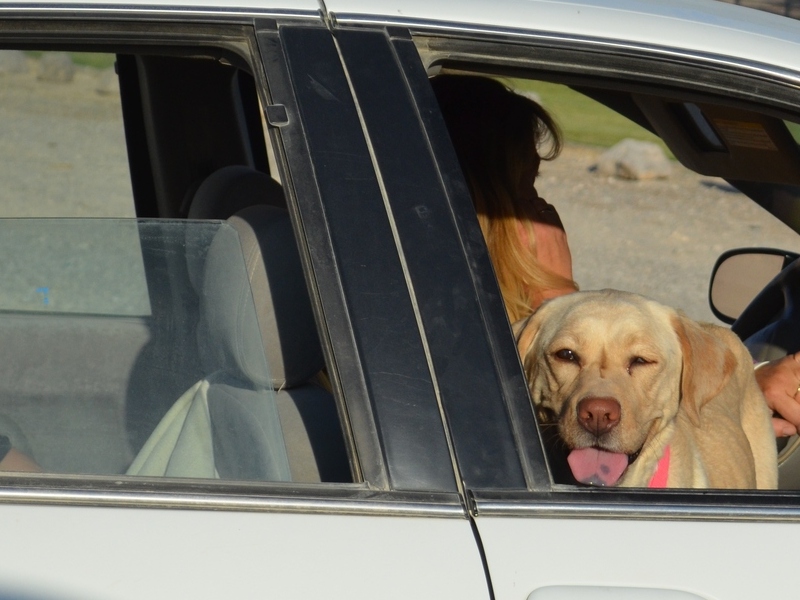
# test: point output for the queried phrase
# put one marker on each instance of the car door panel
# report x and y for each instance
(592, 558)
(128, 553)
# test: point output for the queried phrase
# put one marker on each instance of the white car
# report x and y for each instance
(351, 421)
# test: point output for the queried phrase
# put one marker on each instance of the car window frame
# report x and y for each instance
(474, 398)
(394, 389)
(567, 60)
(373, 489)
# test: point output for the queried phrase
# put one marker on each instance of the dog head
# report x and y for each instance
(613, 370)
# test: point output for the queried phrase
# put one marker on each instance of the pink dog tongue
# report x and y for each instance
(597, 467)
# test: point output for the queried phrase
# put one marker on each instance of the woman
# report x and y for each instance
(498, 136)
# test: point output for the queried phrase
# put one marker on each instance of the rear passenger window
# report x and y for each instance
(177, 343)
(62, 152)
(667, 256)
(637, 220)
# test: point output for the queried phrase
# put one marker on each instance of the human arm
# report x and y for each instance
(14, 460)
(779, 380)
(552, 246)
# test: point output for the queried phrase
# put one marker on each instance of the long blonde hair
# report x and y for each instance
(497, 135)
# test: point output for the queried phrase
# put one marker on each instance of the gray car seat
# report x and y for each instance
(230, 189)
(224, 193)
(177, 365)
(256, 416)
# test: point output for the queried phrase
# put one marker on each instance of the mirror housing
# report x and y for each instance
(738, 277)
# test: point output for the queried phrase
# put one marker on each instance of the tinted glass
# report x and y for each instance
(182, 392)
(120, 354)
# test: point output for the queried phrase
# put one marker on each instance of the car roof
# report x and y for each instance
(698, 26)
(710, 27)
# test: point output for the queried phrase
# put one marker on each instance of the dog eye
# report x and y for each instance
(567, 355)
(638, 361)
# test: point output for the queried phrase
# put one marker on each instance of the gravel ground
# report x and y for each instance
(62, 154)
(62, 146)
(660, 238)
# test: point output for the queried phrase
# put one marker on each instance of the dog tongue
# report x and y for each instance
(597, 467)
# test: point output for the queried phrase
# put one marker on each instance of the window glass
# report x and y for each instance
(72, 266)
(212, 383)
(152, 348)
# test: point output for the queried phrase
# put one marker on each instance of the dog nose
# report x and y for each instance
(598, 415)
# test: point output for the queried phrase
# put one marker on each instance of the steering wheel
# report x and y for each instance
(770, 329)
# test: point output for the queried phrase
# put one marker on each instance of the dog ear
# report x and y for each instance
(708, 364)
(525, 332)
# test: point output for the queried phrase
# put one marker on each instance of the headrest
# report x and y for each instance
(224, 193)
(255, 302)
(230, 189)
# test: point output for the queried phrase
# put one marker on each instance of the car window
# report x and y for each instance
(186, 390)
(636, 218)
(650, 226)
(63, 154)
(62, 149)
(658, 236)
(654, 228)
(154, 322)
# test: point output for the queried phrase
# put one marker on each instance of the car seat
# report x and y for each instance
(256, 416)
(230, 189)
(224, 193)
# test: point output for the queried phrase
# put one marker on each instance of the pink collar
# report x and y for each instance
(659, 479)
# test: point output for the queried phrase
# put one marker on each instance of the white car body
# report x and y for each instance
(102, 537)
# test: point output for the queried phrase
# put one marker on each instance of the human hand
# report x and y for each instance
(779, 380)
(15, 460)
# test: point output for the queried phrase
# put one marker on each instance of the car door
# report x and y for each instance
(395, 524)
(544, 540)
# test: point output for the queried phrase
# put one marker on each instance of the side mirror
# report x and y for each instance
(738, 277)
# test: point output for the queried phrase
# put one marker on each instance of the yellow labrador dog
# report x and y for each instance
(645, 397)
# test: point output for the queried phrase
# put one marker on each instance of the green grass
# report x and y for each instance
(583, 120)
(93, 59)
(86, 59)
(794, 129)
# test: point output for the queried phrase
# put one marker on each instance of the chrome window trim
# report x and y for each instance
(132, 11)
(577, 42)
(153, 493)
(661, 505)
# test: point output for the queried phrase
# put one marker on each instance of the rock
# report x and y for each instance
(107, 82)
(635, 160)
(13, 61)
(56, 67)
